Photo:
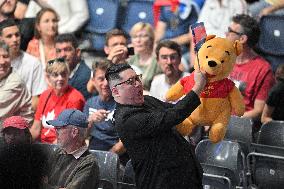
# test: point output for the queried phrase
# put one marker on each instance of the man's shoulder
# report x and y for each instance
(93, 101)
(30, 60)
(84, 66)
(14, 81)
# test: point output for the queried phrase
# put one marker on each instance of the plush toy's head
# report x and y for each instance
(217, 57)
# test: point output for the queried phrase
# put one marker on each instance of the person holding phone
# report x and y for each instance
(144, 62)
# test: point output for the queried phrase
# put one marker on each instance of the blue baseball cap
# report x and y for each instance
(70, 117)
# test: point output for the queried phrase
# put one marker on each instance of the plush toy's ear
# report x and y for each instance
(238, 47)
(208, 37)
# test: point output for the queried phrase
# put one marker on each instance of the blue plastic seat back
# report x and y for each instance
(272, 134)
(97, 40)
(103, 15)
(108, 163)
(137, 11)
(271, 39)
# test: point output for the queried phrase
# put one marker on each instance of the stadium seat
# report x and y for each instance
(240, 130)
(103, 15)
(272, 134)
(128, 177)
(223, 164)
(137, 11)
(271, 41)
(266, 161)
(108, 163)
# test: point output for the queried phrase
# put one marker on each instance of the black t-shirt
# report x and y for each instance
(276, 100)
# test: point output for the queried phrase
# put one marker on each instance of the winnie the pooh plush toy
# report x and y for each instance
(220, 98)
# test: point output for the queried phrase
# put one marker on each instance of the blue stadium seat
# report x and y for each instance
(223, 164)
(271, 41)
(266, 161)
(108, 163)
(137, 11)
(103, 15)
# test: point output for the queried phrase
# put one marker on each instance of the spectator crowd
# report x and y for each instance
(53, 89)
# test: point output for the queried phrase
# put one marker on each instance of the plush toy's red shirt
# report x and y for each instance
(216, 89)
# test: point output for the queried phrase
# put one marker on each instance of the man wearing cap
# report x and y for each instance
(72, 166)
(16, 131)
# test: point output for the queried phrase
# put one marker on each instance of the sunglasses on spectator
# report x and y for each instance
(230, 30)
(59, 60)
(131, 81)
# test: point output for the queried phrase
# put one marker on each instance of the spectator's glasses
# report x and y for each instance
(59, 60)
(230, 30)
(131, 81)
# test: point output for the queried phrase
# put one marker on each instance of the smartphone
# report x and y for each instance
(130, 51)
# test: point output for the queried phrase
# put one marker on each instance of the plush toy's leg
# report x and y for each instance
(217, 132)
(219, 127)
(185, 128)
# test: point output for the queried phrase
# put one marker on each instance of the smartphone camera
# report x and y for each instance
(130, 51)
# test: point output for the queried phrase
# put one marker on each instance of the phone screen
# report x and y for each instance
(130, 51)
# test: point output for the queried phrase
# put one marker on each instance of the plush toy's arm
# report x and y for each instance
(237, 102)
(175, 92)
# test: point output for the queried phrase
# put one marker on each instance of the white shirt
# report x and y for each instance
(217, 18)
(159, 86)
(73, 13)
(31, 72)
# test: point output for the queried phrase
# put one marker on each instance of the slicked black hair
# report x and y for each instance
(113, 71)
(7, 23)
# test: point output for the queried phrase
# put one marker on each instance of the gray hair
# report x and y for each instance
(4, 46)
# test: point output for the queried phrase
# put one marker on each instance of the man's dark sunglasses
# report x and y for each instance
(230, 30)
(59, 60)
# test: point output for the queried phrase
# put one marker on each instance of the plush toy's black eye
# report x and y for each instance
(222, 61)
(206, 56)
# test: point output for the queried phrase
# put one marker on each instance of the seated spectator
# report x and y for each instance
(266, 7)
(169, 58)
(252, 74)
(26, 25)
(144, 62)
(15, 130)
(42, 45)
(217, 16)
(116, 50)
(73, 14)
(58, 97)
(274, 106)
(14, 96)
(99, 110)
(26, 66)
(66, 46)
(72, 166)
(174, 24)
(23, 166)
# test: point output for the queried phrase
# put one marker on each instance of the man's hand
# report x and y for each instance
(117, 54)
(200, 81)
(98, 116)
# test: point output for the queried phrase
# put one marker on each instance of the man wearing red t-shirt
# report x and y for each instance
(251, 73)
(54, 100)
